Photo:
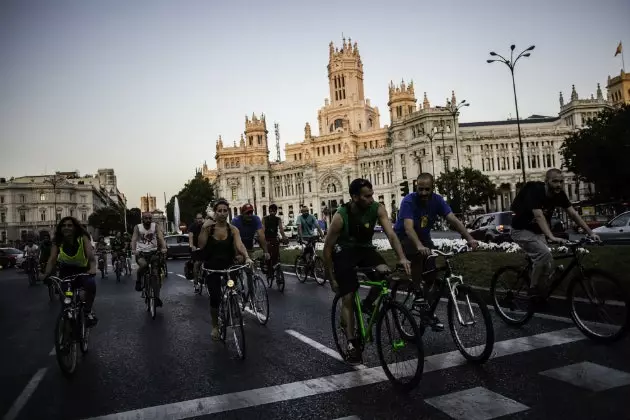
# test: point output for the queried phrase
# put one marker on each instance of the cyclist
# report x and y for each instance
(306, 226)
(248, 225)
(219, 243)
(533, 207)
(118, 248)
(31, 254)
(147, 238)
(349, 244)
(418, 213)
(272, 224)
(72, 250)
(45, 247)
(101, 252)
(193, 242)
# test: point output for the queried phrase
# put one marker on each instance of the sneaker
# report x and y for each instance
(92, 320)
(138, 286)
(353, 355)
(435, 324)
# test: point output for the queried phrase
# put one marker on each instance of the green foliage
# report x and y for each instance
(193, 198)
(599, 153)
(465, 188)
(134, 217)
(106, 220)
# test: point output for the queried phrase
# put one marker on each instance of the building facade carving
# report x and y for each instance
(352, 143)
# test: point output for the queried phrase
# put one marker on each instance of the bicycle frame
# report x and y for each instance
(366, 334)
(575, 262)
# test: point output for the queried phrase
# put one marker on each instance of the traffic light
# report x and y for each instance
(415, 184)
(404, 188)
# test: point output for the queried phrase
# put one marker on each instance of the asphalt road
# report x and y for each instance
(170, 368)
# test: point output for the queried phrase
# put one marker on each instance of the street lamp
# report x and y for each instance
(430, 135)
(511, 63)
(453, 109)
(55, 181)
(443, 146)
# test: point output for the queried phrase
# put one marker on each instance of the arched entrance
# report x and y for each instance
(331, 194)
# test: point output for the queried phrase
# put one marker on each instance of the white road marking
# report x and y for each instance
(330, 352)
(323, 385)
(25, 395)
(349, 418)
(182, 276)
(53, 352)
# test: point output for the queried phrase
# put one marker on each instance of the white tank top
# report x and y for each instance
(147, 239)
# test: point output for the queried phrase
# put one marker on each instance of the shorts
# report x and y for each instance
(345, 261)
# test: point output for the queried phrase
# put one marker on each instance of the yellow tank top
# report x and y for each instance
(78, 260)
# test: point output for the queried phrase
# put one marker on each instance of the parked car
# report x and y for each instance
(9, 256)
(177, 246)
(593, 221)
(492, 227)
(378, 228)
(617, 231)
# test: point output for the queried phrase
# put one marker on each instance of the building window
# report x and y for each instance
(22, 216)
(234, 195)
(43, 216)
(83, 199)
(309, 187)
(84, 216)
(251, 140)
(338, 123)
(235, 212)
(42, 197)
(22, 198)
(71, 213)
(259, 140)
(3, 218)
(264, 210)
(58, 215)
(1, 199)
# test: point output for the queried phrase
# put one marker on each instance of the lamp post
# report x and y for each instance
(443, 146)
(511, 63)
(55, 181)
(453, 109)
(430, 135)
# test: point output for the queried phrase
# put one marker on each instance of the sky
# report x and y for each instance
(146, 87)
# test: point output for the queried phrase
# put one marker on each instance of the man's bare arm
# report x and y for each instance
(134, 239)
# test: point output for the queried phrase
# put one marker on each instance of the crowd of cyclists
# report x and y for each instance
(218, 243)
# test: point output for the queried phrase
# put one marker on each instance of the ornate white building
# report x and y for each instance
(351, 144)
(34, 203)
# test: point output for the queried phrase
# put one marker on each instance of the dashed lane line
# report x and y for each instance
(21, 401)
(328, 351)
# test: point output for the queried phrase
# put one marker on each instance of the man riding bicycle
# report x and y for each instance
(101, 252)
(306, 225)
(418, 213)
(146, 240)
(349, 244)
(118, 250)
(272, 224)
(248, 225)
(533, 207)
(31, 254)
(193, 242)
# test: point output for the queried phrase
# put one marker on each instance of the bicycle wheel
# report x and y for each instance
(236, 324)
(300, 269)
(473, 310)
(279, 276)
(340, 336)
(414, 357)
(66, 347)
(259, 300)
(51, 292)
(84, 332)
(406, 298)
(509, 290)
(319, 271)
(152, 308)
(600, 307)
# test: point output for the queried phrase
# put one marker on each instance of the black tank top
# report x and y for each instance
(271, 226)
(219, 254)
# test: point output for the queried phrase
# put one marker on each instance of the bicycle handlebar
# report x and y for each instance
(437, 253)
(226, 271)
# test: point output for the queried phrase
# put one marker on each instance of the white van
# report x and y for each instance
(290, 232)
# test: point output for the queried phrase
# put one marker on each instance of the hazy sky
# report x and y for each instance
(146, 87)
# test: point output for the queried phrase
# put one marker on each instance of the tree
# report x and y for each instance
(193, 198)
(134, 217)
(466, 188)
(106, 220)
(599, 153)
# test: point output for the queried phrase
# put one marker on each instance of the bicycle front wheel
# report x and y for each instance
(600, 307)
(405, 370)
(235, 323)
(66, 347)
(300, 269)
(259, 300)
(473, 311)
(279, 278)
(509, 290)
(319, 271)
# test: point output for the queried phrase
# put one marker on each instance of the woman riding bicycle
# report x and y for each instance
(72, 250)
(219, 243)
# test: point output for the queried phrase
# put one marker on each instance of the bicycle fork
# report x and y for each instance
(452, 289)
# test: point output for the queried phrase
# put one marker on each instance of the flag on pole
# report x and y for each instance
(619, 49)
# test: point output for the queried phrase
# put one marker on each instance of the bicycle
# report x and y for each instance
(313, 265)
(118, 265)
(451, 285)
(31, 270)
(127, 263)
(255, 294)
(71, 331)
(149, 281)
(102, 260)
(506, 305)
(276, 274)
(385, 308)
(230, 314)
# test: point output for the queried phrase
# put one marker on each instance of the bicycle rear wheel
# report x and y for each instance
(259, 300)
(84, 333)
(300, 269)
(319, 271)
(340, 336)
(406, 297)
(473, 310)
(66, 346)
(509, 290)
(386, 327)
(600, 307)
(279, 276)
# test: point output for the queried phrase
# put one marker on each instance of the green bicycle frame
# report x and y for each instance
(366, 334)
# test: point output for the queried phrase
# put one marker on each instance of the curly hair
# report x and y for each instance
(219, 202)
(78, 230)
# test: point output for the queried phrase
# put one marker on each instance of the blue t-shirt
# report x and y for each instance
(247, 230)
(424, 216)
